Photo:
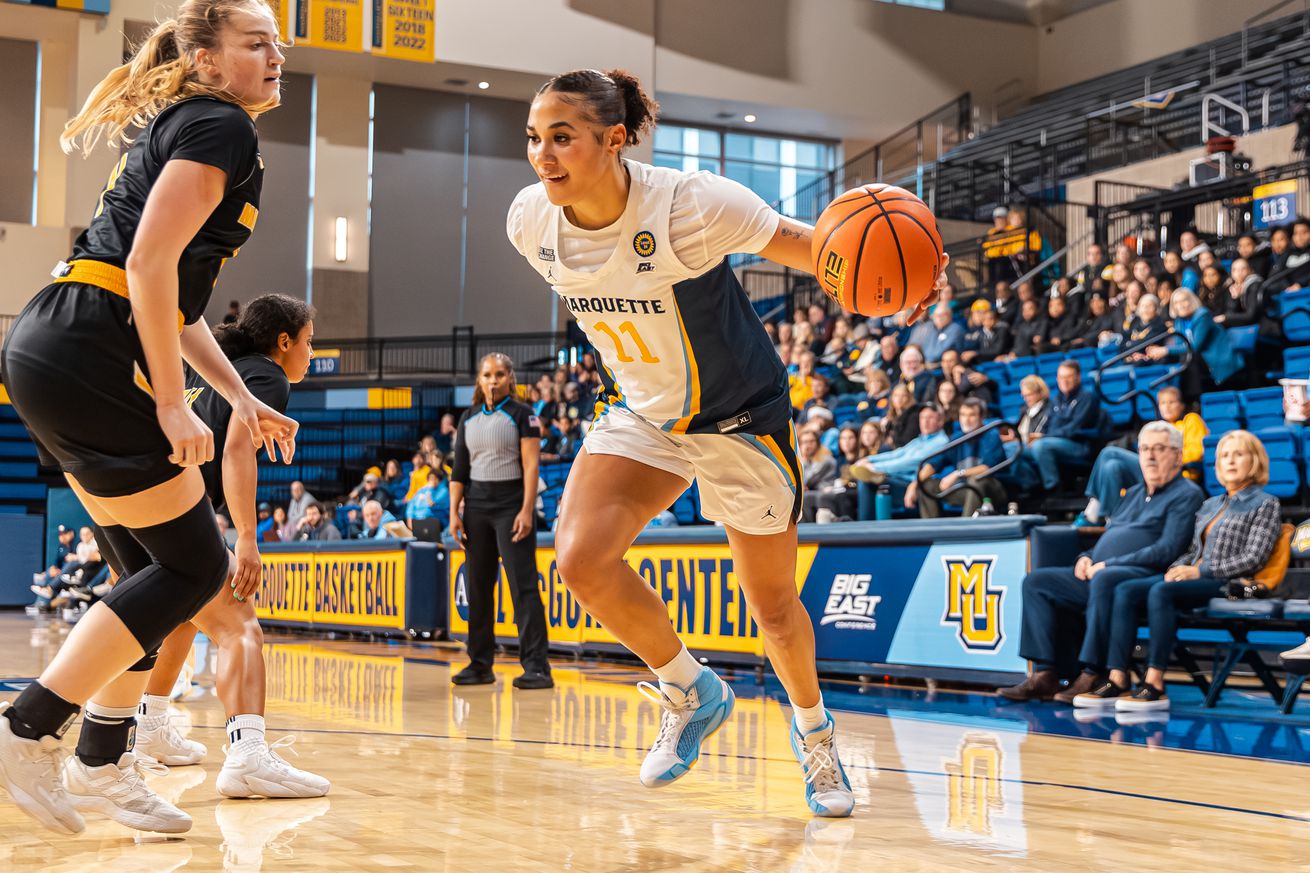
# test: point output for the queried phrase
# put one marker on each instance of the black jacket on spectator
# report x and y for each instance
(1293, 268)
(1065, 328)
(1076, 303)
(986, 392)
(1008, 310)
(1140, 330)
(1093, 327)
(1035, 418)
(906, 427)
(1024, 334)
(989, 344)
(1248, 307)
(1075, 416)
(923, 386)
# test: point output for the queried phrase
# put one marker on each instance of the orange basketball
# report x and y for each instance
(876, 250)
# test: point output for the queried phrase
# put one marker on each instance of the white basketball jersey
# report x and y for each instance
(680, 347)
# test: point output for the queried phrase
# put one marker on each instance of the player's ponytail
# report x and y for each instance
(608, 98)
(161, 71)
(263, 320)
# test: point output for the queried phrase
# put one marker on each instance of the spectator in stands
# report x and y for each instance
(944, 333)
(1072, 428)
(901, 423)
(371, 489)
(971, 383)
(837, 501)
(1280, 240)
(1176, 271)
(1127, 308)
(300, 498)
(1075, 297)
(1255, 253)
(1143, 272)
(279, 531)
(233, 314)
(967, 462)
(870, 437)
(801, 383)
(445, 436)
(820, 394)
(1120, 276)
(1192, 246)
(990, 341)
(1098, 325)
(877, 394)
(431, 501)
(1146, 323)
(1061, 327)
(948, 401)
(818, 469)
(839, 341)
(1033, 421)
(1291, 271)
(395, 481)
(1233, 536)
(1151, 529)
(998, 248)
(1216, 360)
(899, 466)
(817, 316)
(1027, 334)
(1117, 469)
(782, 338)
(563, 441)
(889, 360)
(1098, 266)
(915, 376)
(1124, 255)
(375, 524)
(1212, 293)
(418, 475)
(264, 512)
(1245, 303)
(862, 353)
(1006, 303)
(316, 525)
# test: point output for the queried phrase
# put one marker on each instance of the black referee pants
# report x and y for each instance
(489, 539)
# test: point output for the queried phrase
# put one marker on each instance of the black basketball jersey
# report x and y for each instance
(201, 129)
(265, 379)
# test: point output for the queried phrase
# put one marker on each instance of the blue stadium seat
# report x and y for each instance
(8, 413)
(1221, 406)
(1114, 382)
(1210, 443)
(1284, 478)
(1263, 407)
(1294, 312)
(1086, 359)
(1296, 362)
(23, 448)
(1243, 338)
(1048, 366)
(1281, 443)
(22, 491)
(997, 371)
(1021, 367)
(1146, 376)
(17, 470)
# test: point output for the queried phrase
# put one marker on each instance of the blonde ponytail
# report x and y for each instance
(161, 72)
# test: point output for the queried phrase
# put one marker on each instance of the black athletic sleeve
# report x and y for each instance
(529, 424)
(266, 386)
(462, 469)
(208, 132)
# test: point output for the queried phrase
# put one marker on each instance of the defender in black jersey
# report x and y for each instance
(111, 333)
(270, 346)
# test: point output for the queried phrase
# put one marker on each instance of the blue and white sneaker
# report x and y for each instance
(685, 725)
(827, 790)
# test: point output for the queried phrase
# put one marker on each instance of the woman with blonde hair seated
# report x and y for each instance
(1234, 536)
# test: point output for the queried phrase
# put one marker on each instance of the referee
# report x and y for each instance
(493, 494)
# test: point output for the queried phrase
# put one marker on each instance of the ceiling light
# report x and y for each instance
(748, 118)
(484, 85)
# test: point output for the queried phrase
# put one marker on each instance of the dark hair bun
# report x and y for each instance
(641, 111)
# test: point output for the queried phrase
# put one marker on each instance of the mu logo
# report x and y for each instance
(972, 604)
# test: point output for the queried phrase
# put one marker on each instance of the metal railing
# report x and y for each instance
(453, 356)
(1149, 389)
(964, 484)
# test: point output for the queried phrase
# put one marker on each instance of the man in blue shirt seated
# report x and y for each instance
(966, 462)
(898, 466)
(943, 334)
(376, 520)
(1073, 426)
(1151, 529)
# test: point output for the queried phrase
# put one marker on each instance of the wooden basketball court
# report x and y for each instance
(429, 777)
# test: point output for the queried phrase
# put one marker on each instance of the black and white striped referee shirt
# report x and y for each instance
(487, 447)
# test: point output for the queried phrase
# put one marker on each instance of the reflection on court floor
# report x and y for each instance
(429, 777)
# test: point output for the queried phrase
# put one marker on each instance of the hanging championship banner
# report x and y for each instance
(331, 24)
(405, 29)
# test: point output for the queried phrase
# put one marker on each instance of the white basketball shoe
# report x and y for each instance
(29, 771)
(685, 726)
(119, 791)
(255, 769)
(158, 739)
(827, 790)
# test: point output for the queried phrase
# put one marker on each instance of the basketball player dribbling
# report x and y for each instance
(693, 391)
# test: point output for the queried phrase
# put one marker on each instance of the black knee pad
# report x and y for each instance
(121, 550)
(146, 664)
(188, 563)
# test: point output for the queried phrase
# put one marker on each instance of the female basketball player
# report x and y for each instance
(270, 347)
(694, 390)
(111, 332)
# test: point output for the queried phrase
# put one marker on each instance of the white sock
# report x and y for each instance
(680, 673)
(809, 717)
(245, 731)
(153, 706)
(1093, 510)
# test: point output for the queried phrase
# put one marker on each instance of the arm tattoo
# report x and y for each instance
(788, 233)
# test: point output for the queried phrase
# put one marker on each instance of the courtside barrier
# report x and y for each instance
(388, 587)
(925, 598)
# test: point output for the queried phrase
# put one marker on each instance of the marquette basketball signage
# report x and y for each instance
(365, 589)
(953, 606)
(973, 607)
